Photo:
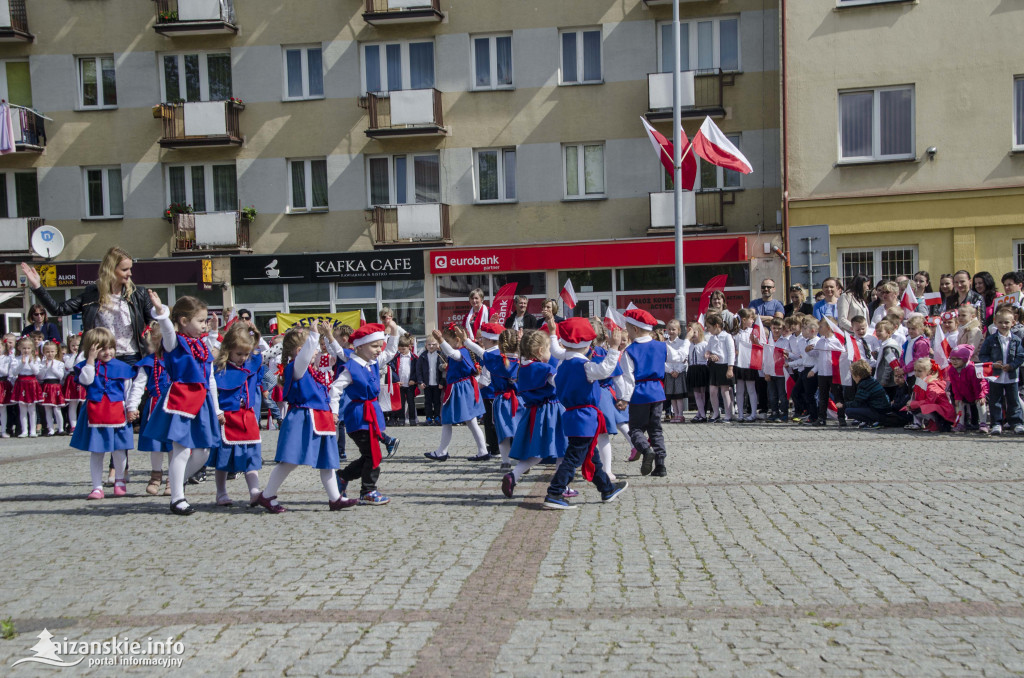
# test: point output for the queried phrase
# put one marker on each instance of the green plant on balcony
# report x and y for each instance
(249, 213)
(235, 101)
(167, 17)
(177, 208)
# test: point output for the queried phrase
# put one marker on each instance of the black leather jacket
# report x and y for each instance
(88, 304)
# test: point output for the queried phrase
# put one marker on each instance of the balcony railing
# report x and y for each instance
(200, 123)
(14, 22)
(29, 130)
(405, 113)
(194, 17)
(223, 232)
(16, 235)
(701, 210)
(384, 12)
(404, 224)
(701, 95)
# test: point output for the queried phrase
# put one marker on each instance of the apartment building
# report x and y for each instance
(316, 157)
(904, 132)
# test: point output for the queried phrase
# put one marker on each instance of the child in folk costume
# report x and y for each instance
(364, 419)
(103, 423)
(643, 369)
(462, 402)
(578, 390)
(5, 392)
(499, 361)
(697, 376)
(187, 415)
(26, 392)
(239, 373)
(539, 436)
(149, 385)
(341, 349)
(930, 403)
(970, 391)
(51, 374)
(614, 409)
(73, 392)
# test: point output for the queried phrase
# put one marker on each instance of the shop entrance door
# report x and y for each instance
(592, 305)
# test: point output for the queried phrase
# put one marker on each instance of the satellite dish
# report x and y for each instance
(47, 242)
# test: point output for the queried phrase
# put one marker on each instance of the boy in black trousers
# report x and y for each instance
(428, 373)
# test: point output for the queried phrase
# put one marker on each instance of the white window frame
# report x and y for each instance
(876, 258)
(410, 179)
(1018, 255)
(492, 48)
(98, 60)
(580, 67)
(211, 200)
(1018, 114)
(12, 192)
(3, 76)
(876, 136)
(581, 172)
(308, 170)
(736, 139)
(204, 72)
(690, 26)
(502, 186)
(383, 57)
(105, 169)
(857, 3)
(304, 70)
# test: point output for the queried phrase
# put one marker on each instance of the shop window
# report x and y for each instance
(401, 289)
(587, 281)
(259, 294)
(356, 291)
(653, 278)
(459, 286)
(410, 316)
(214, 299)
(698, 276)
(304, 293)
(526, 283)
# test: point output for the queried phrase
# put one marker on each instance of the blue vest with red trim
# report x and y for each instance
(460, 369)
(365, 386)
(183, 367)
(502, 378)
(239, 388)
(109, 380)
(575, 390)
(649, 360)
(305, 391)
(532, 381)
(147, 365)
(597, 355)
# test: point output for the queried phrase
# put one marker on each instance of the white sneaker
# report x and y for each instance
(33, 435)
(997, 430)
(1019, 429)
(751, 418)
(23, 434)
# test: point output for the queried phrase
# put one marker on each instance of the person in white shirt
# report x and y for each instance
(721, 356)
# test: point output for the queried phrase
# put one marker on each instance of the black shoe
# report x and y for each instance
(480, 457)
(197, 477)
(414, 423)
(232, 476)
(648, 462)
(659, 470)
(178, 511)
(342, 456)
(819, 422)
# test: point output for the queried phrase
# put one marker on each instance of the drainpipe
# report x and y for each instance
(785, 149)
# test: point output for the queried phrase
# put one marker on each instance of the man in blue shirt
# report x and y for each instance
(766, 307)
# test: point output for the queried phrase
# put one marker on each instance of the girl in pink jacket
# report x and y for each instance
(969, 391)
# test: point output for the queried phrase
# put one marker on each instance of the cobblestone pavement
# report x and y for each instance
(769, 550)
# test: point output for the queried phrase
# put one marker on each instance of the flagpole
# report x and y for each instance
(680, 305)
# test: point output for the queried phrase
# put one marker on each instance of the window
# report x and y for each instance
(16, 83)
(581, 56)
(19, 195)
(97, 87)
(394, 66)
(1018, 112)
(392, 176)
(1018, 254)
(879, 263)
(584, 170)
(195, 77)
(304, 73)
(492, 62)
(496, 174)
(208, 188)
(307, 190)
(704, 44)
(877, 124)
(103, 196)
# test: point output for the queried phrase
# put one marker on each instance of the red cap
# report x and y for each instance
(576, 333)
(366, 334)
(640, 318)
(491, 331)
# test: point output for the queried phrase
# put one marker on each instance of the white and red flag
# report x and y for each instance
(613, 320)
(983, 370)
(940, 347)
(749, 355)
(908, 301)
(502, 303)
(665, 150)
(568, 294)
(932, 298)
(775, 365)
(712, 145)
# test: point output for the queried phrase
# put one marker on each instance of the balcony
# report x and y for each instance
(387, 12)
(701, 94)
(14, 22)
(702, 210)
(29, 130)
(405, 113)
(200, 124)
(210, 233)
(16, 235)
(405, 224)
(184, 18)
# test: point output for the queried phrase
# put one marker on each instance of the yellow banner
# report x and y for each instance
(47, 275)
(286, 321)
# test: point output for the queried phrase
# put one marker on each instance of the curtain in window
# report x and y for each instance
(315, 65)
(896, 124)
(705, 45)
(371, 61)
(109, 81)
(568, 57)
(27, 194)
(114, 196)
(504, 58)
(482, 56)
(729, 45)
(90, 87)
(198, 189)
(510, 174)
(193, 89)
(293, 64)
(394, 57)
(572, 170)
(171, 82)
(421, 65)
(318, 169)
(1018, 110)
(94, 188)
(667, 62)
(487, 162)
(218, 68)
(401, 180)
(19, 84)
(298, 184)
(176, 179)
(855, 120)
(593, 169)
(428, 178)
(225, 188)
(379, 194)
(592, 55)
(4, 209)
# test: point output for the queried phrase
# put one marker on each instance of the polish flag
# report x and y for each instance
(983, 370)
(700, 320)
(712, 145)
(776, 366)
(362, 318)
(749, 355)
(613, 320)
(932, 298)
(568, 294)
(665, 150)
(908, 301)
(757, 332)
(716, 283)
(941, 348)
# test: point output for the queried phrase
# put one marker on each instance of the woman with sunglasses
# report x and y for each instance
(37, 322)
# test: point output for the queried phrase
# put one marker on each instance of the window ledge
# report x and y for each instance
(510, 88)
(496, 202)
(581, 84)
(724, 189)
(855, 163)
(316, 210)
(288, 100)
(869, 3)
(589, 198)
(117, 218)
(87, 109)
(1019, 150)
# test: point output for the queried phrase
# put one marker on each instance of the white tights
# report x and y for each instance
(281, 471)
(679, 407)
(28, 418)
(604, 450)
(156, 460)
(505, 446)
(73, 413)
(474, 428)
(183, 463)
(252, 479)
(54, 418)
(747, 388)
(96, 467)
(525, 465)
(699, 396)
(726, 392)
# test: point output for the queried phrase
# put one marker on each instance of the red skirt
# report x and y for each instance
(52, 394)
(5, 391)
(27, 391)
(72, 390)
(277, 395)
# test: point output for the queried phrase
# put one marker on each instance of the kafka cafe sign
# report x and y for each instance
(338, 267)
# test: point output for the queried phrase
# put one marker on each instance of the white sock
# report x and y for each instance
(478, 435)
(252, 479)
(330, 482)
(156, 460)
(699, 397)
(446, 440)
(505, 446)
(524, 466)
(741, 396)
(96, 470)
(604, 450)
(277, 477)
(120, 458)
